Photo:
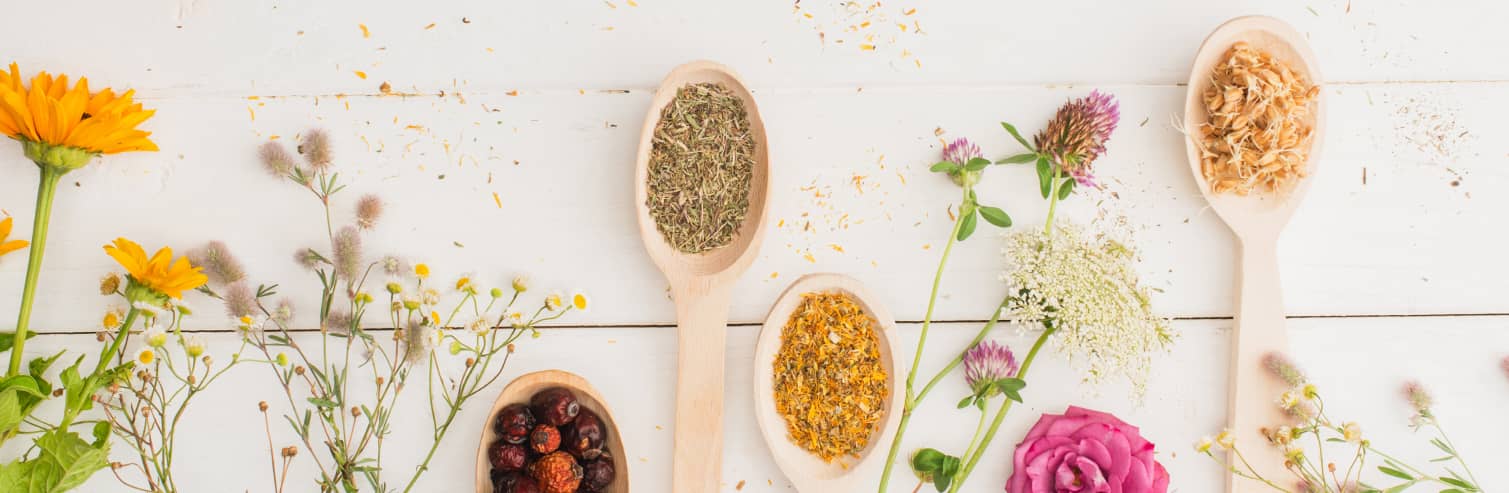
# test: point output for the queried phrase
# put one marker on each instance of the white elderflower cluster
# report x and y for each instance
(1086, 289)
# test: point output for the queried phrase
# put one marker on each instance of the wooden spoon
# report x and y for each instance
(521, 389)
(1257, 220)
(701, 285)
(806, 471)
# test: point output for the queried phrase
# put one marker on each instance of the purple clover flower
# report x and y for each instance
(1077, 134)
(960, 151)
(986, 363)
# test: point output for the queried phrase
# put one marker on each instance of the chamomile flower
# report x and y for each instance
(411, 303)
(148, 309)
(146, 356)
(394, 287)
(112, 319)
(155, 336)
(520, 283)
(193, 346)
(466, 284)
(579, 301)
(480, 326)
(430, 296)
(1203, 446)
(422, 271)
(514, 318)
(1226, 440)
(554, 301)
(1351, 432)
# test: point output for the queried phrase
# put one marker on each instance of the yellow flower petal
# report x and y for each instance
(51, 112)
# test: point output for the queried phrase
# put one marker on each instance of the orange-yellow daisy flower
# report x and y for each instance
(50, 113)
(159, 273)
(12, 245)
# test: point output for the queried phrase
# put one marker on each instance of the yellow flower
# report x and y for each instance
(146, 356)
(69, 126)
(1225, 440)
(12, 245)
(579, 301)
(1203, 446)
(421, 270)
(158, 273)
(112, 320)
(553, 301)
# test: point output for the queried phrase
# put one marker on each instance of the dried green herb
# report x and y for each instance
(700, 166)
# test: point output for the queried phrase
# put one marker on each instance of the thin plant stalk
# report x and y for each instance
(995, 425)
(47, 188)
(911, 375)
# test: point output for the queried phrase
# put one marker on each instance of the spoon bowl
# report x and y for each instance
(1256, 219)
(805, 470)
(1256, 213)
(521, 389)
(701, 285)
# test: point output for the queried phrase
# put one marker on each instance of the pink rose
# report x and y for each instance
(1085, 451)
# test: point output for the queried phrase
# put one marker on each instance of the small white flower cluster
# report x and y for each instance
(1087, 289)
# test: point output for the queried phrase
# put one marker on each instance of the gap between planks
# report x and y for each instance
(652, 325)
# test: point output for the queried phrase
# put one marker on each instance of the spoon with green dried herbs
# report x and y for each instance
(826, 391)
(700, 191)
(1254, 126)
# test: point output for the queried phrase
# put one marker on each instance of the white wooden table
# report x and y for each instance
(1393, 268)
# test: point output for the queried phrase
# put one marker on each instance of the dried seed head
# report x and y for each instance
(347, 246)
(1077, 134)
(283, 313)
(394, 266)
(262, 406)
(218, 263)
(299, 370)
(1280, 366)
(356, 412)
(368, 211)
(275, 159)
(240, 301)
(1418, 398)
(110, 284)
(316, 149)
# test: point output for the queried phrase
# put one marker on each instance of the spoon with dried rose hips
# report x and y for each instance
(551, 432)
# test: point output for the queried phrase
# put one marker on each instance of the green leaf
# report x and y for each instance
(8, 340)
(927, 461)
(1011, 388)
(1066, 188)
(1022, 158)
(1457, 482)
(10, 410)
(996, 216)
(977, 164)
(63, 462)
(1012, 130)
(943, 166)
(947, 470)
(1044, 175)
(1395, 473)
(967, 227)
(967, 401)
(322, 402)
(39, 366)
(101, 433)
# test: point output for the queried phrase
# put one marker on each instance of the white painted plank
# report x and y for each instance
(238, 47)
(1358, 362)
(852, 164)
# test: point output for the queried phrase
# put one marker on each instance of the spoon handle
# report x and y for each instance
(1259, 329)
(702, 330)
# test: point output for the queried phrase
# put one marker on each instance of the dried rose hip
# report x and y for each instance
(525, 484)
(514, 423)
(598, 474)
(585, 437)
(555, 406)
(503, 481)
(557, 472)
(545, 439)
(504, 456)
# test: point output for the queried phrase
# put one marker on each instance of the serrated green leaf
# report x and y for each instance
(1011, 129)
(995, 216)
(63, 462)
(1022, 158)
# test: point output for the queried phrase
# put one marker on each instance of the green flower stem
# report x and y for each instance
(47, 187)
(911, 375)
(973, 441)
(1052, 203)
(120, 338)
(959, 358)
(995, 425)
